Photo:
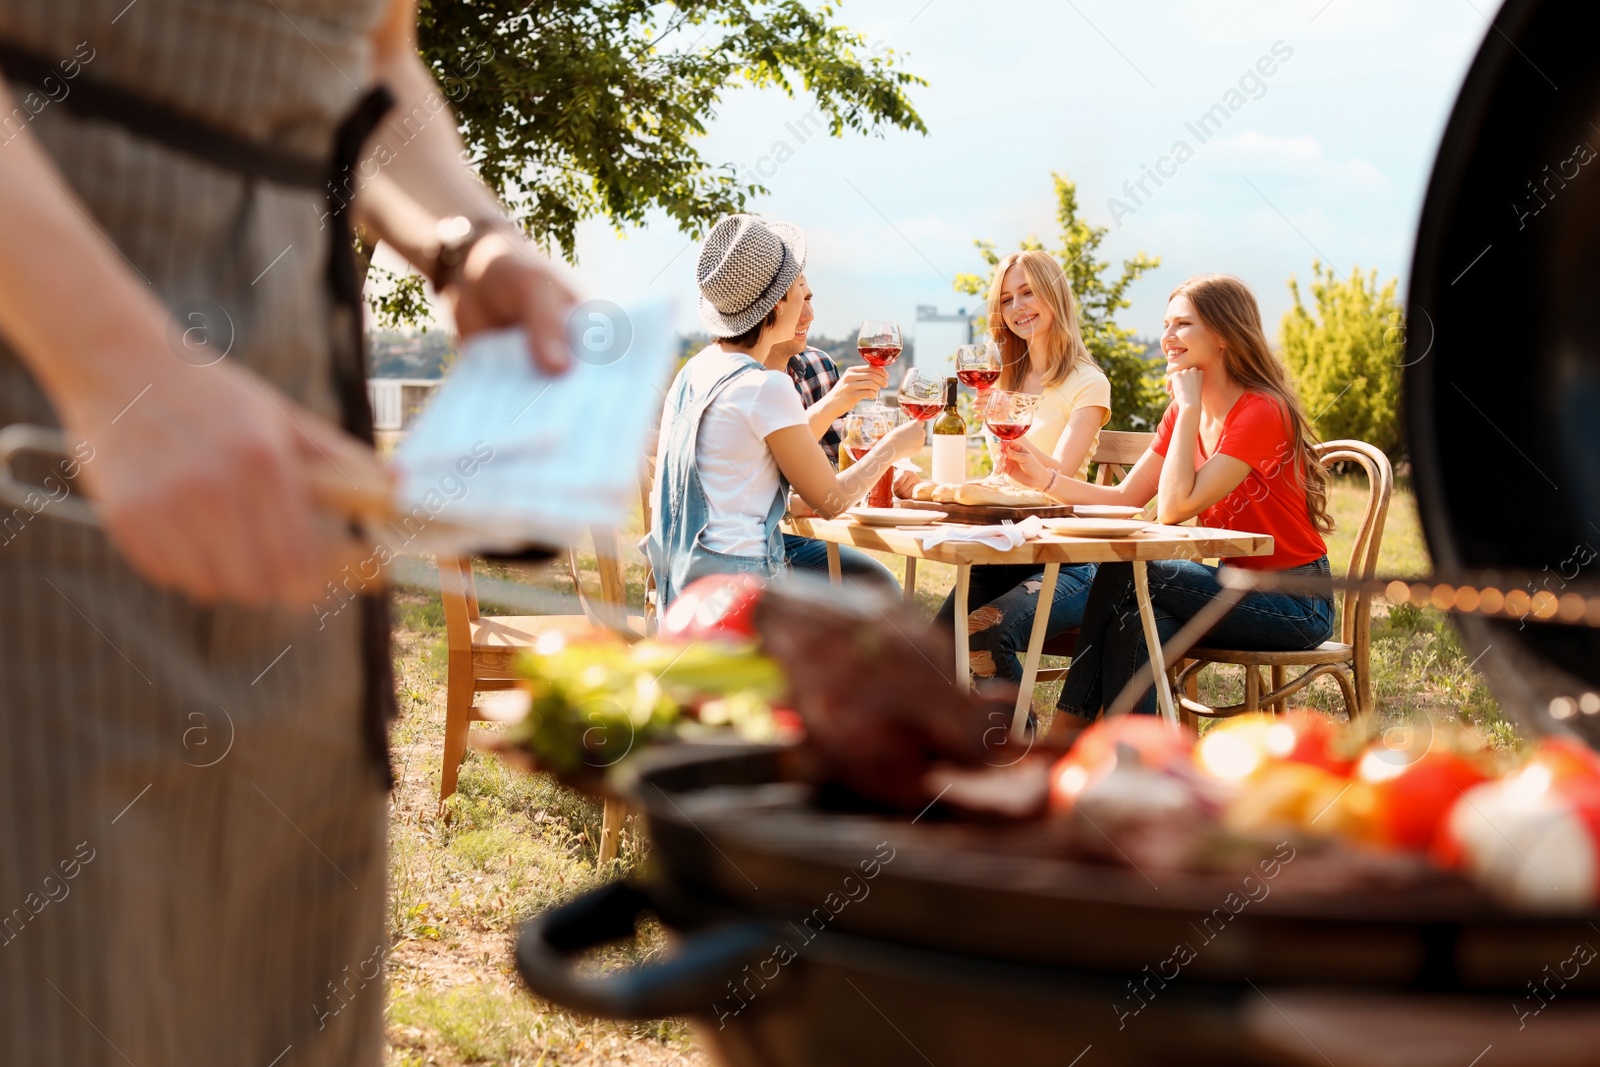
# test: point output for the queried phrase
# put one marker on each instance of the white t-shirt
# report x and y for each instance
(737, 470)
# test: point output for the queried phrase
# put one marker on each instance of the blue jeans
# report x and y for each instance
(1111, 641)
(855, 566)
(1002, 600)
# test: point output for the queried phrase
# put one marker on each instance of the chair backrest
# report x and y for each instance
(459, 594)
(1356, 614)
(1117, 451)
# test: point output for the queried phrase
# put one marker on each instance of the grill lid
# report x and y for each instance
(1502, 375)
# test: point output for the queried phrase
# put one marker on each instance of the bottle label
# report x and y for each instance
(949, 458)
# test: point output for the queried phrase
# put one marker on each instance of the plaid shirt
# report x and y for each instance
(814, 373)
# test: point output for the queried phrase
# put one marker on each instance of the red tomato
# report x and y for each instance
(1411, 802)
(1319, 742)
(1571, 762)
(1094, 754)
(716, 606)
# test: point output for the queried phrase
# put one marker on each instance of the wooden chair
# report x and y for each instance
(1346, 660)
(1116, 453)
(483, 651)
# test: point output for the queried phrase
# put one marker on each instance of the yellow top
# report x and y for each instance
(1086, 387)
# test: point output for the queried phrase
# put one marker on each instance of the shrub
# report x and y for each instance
(1346, 355)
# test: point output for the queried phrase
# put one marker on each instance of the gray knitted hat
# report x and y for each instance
(745, 267)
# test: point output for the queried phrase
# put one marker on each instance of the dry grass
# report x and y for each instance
(514, 845)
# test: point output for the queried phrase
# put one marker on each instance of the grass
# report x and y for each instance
(512, 845)
(515, 844)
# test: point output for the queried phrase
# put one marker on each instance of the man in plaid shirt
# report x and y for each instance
(828, 395)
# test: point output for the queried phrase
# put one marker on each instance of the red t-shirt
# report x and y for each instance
(1272, 497)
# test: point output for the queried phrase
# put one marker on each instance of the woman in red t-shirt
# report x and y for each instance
(1234, 448)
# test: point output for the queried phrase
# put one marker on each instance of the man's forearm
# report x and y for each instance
(74, 310)
(820, 417)
(417, 154)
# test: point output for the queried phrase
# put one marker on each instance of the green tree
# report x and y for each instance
(1137, 397)
(582, 108)
(1346, 354)
(579, 109)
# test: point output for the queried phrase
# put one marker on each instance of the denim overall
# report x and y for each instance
(680, 510)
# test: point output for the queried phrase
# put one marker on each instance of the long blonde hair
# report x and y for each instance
(1063, 344)
(1228, 307)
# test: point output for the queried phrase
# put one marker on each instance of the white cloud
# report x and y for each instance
(1298, 157)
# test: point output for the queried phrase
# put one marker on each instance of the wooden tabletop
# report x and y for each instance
(1161, 542)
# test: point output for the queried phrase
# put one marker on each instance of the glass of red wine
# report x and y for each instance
(862, 430)
(1009, 415)
(978, 366)
(879, 342)
(921, 397)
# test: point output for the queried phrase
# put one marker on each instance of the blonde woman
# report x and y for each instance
(1033, 318)
(1234, 448)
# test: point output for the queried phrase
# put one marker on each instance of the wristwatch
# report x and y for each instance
(456, 236)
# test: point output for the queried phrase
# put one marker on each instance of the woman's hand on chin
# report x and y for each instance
(1184, 385)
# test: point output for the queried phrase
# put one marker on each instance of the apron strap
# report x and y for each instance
(159, 122)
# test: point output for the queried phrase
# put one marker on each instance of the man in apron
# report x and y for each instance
(192, 764)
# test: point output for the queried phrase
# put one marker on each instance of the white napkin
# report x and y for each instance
(996, 537)
(521, 457)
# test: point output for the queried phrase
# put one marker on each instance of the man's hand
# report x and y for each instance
(203, 485)
(502, 285)
(856, 384)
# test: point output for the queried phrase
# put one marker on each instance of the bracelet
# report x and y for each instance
(1051, 483)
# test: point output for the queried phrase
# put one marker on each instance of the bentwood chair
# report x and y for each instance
(482, 653)
(1347, 660)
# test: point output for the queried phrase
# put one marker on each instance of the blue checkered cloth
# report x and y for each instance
(814, 373)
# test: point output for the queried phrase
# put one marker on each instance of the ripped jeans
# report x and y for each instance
(1001, 602)
(1111, 645)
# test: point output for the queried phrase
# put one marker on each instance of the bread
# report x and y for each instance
(924, 491)
(997, 495)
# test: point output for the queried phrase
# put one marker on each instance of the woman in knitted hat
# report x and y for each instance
(734, 436)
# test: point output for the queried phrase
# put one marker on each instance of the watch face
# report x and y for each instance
(453, 230)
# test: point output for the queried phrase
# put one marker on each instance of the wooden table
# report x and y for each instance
(1051, 550)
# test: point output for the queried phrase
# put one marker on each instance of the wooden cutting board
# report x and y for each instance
(986, 513)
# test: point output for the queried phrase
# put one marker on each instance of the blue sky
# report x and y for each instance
(1328, 156)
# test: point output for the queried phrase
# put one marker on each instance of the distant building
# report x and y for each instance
(938, 337)
(396, 402)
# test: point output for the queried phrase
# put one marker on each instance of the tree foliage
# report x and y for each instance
(1346, 353)
(574, 109)
(1137, 398)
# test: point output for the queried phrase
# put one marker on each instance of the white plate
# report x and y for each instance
(1076, 527)
(896, 516)
(1105, 511)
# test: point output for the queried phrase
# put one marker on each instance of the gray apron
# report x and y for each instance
(191, 814)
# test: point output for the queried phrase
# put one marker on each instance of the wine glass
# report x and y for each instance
(1008, 415)
(921, 397)
(978, 365)
(863, 429)
(879, 342)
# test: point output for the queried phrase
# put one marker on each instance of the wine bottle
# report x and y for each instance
(950, 441)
